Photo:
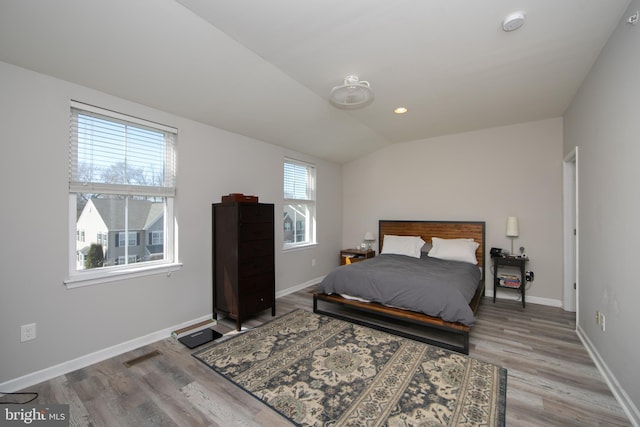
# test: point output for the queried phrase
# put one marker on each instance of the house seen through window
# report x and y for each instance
(299, 216)
(122, 180)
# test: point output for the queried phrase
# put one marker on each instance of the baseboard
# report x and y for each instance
(46, 374)
(618, 392)
(100, 355)
(513, 295)
(296, 288)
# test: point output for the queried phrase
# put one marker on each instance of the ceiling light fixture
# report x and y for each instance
(513, 21)
(352, 94)
(400, 110)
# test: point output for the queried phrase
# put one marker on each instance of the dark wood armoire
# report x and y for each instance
(243, 260)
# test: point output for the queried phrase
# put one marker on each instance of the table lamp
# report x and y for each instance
(512, 230)
(369, 239)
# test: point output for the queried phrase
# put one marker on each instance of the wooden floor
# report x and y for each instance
(551, 379)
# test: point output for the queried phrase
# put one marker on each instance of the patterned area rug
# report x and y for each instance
(320, 371)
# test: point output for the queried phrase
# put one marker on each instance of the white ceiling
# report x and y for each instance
(264, 68)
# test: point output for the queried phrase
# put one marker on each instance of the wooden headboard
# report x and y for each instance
(443, 229)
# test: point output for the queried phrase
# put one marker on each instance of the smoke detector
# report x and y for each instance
(351, 95)
(513, 21)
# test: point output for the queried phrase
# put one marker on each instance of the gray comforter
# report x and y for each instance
(427, 285)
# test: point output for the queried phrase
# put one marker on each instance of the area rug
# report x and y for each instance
(320, 371)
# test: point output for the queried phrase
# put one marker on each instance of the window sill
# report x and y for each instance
(298, 247)
(96, 278)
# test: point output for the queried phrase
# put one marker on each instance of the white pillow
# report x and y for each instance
(402, 245)
(454, 249)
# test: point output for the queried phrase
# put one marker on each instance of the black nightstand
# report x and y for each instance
(509, 262)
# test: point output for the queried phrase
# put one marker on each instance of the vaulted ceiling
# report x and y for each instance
(264, 68)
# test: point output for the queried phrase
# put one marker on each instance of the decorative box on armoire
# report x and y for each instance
(243, 260)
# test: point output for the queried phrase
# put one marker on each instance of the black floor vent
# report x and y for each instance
(140, 359)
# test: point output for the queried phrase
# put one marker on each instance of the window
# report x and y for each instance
(155, 238)
(102, 239)
(133, 240)
(299, 215)
(121, 188)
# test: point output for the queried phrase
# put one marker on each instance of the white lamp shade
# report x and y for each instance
(368, 236)
(512, 226)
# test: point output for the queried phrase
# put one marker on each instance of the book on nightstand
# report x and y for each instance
(509, 281)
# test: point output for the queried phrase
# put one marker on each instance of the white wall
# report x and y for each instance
(603, 122)
(485, 175)
(34, 112)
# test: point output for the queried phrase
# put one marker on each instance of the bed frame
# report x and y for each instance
(426, 230)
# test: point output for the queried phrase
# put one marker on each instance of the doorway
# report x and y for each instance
(571, 232)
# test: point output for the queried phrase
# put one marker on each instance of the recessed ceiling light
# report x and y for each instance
(513, 21)
(400, 110)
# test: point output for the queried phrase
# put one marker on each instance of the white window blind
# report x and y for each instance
(299, 204)
(111, 153)
(122, 184)
(299, 181)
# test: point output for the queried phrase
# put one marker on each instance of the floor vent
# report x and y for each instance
(140, 359)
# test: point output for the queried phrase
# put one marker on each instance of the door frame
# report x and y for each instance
(570, 301)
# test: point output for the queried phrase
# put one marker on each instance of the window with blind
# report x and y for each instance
(299, 218)
(122, 184)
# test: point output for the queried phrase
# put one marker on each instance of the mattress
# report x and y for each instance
(432, 286)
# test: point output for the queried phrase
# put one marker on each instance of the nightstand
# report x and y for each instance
(355, 255)
(507, 282)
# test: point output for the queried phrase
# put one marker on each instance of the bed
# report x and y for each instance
(443, 320)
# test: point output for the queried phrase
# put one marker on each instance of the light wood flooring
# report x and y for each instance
(551, 379)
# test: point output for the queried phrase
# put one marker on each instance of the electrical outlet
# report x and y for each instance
(602, 323)
(597, 317)
(313, 262)
(28, 332)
